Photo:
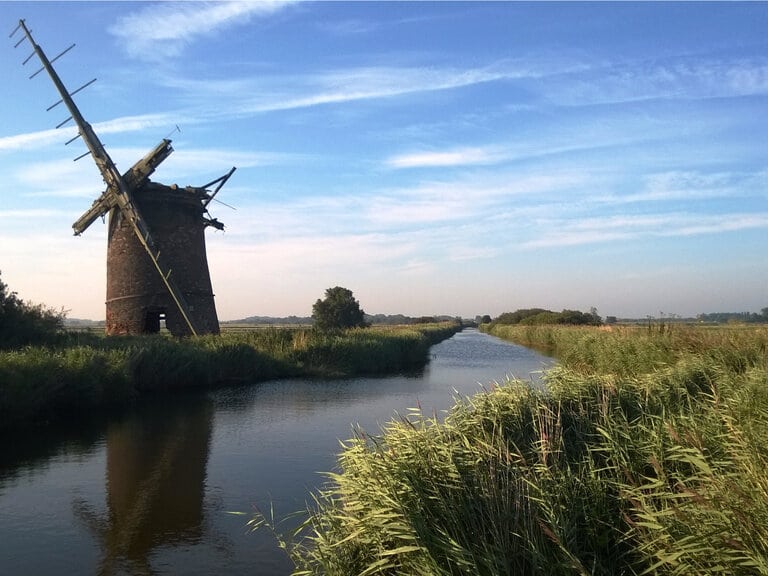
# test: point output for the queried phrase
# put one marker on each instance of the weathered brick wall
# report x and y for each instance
(134, 285)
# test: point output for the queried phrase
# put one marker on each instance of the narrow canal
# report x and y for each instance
(160, 490)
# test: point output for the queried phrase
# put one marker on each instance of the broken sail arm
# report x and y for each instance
(119, 192)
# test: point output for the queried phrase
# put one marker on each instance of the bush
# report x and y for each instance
(22, 323)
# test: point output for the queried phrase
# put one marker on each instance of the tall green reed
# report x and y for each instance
(619, 468)
(83, 371)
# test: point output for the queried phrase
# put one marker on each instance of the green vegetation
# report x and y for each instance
(23, 323)
(339, 310)
(540, 316)
(734, 317)
(47, 373)
(370, 320)
(646, 455)
(82, 371)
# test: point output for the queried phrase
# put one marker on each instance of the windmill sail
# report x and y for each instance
(134, 178)
(120, 189)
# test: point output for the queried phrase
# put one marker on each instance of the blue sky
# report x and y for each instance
(434, 158)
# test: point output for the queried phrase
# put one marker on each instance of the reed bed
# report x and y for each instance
(85, 371)
(630, 350)
(618, 468)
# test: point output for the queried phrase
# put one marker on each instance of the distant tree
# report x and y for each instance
(388, 319)
(22, 323)
(518, 316)
(338, 310)
(578, 318)
(540, 316)
(485, 319)
(733, 317)
(573, 317)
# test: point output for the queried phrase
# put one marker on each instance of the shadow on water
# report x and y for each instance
(31, 448)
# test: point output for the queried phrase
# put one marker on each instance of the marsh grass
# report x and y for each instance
(618, 468)
(86, 371)
(35, 383)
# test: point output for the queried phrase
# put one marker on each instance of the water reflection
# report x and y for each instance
(149, 492)
(155, 485)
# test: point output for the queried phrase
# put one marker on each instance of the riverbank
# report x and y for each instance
(84, 372)
(647, 454)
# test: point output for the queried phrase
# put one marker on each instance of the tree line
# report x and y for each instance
(726, 317)
(540, 316)
(23, 323)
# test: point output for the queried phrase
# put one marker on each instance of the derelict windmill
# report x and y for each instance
(156, 262)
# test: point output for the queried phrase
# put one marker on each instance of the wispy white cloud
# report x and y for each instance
(63, 178)
(30, 213)
(287, 92)
(390, 211)
(31, 140)
(427, 217)
(558, 233)
(568, 137)
(159, 31)
(121, 125)
(676, 185)
(144, 122)
(685, 79)
(716, 224)
(192, 164)
(692, 185)
(57, 178)
(193, 158)
(368, 83)
(347, 27)
(456, 157)
(560, 81)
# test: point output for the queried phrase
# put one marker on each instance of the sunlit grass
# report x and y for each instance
(84, 370)
(620, 467)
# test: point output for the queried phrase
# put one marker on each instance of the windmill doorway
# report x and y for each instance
(154, 320)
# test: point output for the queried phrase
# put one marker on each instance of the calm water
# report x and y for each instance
(153, 491)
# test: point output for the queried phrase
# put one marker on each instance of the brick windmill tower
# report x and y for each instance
(156, 260)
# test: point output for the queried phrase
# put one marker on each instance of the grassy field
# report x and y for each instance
(84, 371)
(647, 455)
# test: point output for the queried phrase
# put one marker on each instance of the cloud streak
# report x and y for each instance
(457, 157)
(680, 79)
(31, 140)
(338, 86)
(163, 30)
(561, 83)
(286, 93)
(599, 230)
(121, 125)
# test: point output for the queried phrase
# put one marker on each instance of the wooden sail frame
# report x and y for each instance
(119, 193)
